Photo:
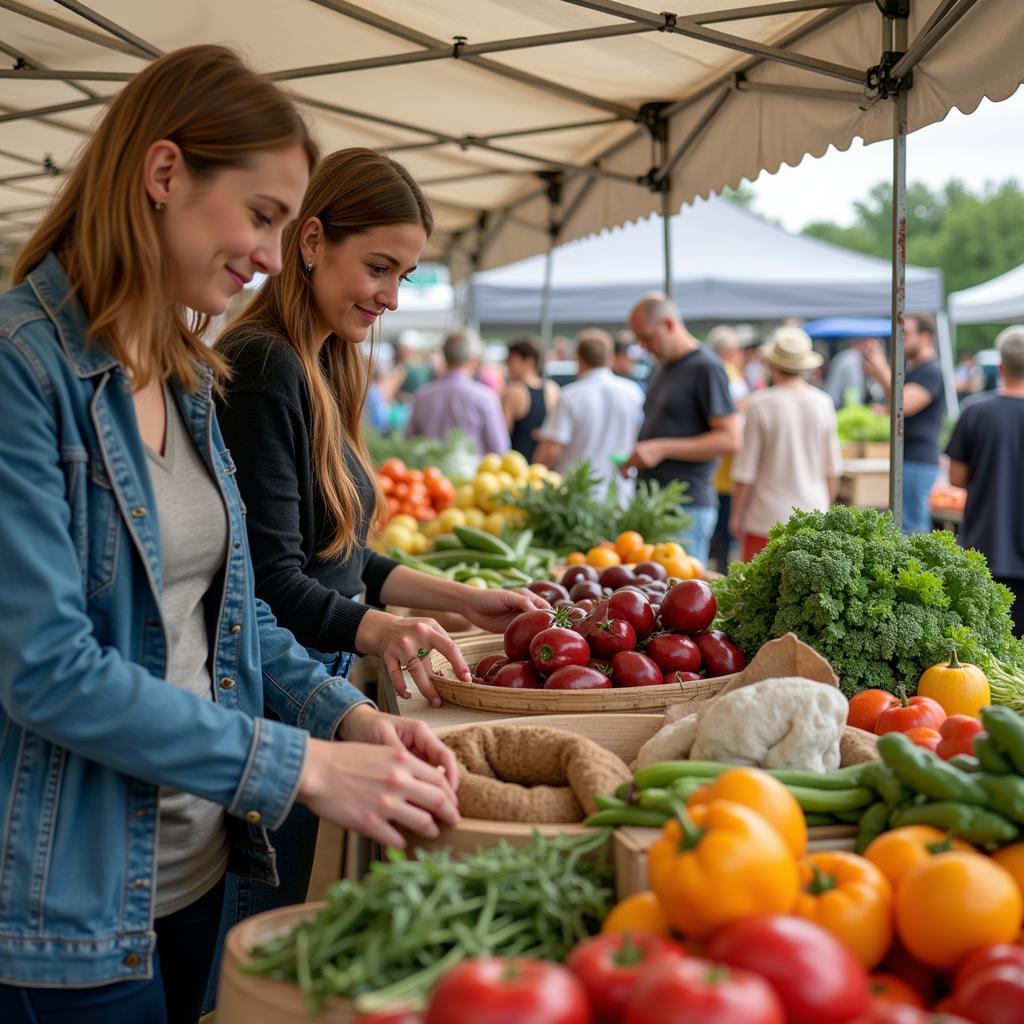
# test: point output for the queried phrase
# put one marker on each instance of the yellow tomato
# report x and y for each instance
(475, 517)
(452, 517)
(602, 558)
(554, 478)
(420, 544)
(465, 496)
(404, 520)
(398, 535)
(433, 528)
(495, 523)
(514, 462)
(514, 516)
(507, 480)
(576, 558)
(626, 542)
(486, 483)
(489, 464)
(663, 552)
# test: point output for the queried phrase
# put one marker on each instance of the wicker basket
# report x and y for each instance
(622, 700)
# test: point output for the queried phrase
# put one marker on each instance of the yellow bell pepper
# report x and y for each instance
(849, 897)
(719, 863)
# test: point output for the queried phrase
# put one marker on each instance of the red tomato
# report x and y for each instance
(887, 988)
(992, 996)
(920, 977)
(488, 665)
(493, 989)
(578, 677)
(519, 633)
(689, 607)
(556, 647)
(909, 714)
(631, 668)
(398, 1017)
(609, 966)
(922, 737)
(611, 636)
(816, 978)
(695, 991)
(720, 656)
(958, 732)
(635, 608)
(867, 706)
(884, 1012)
(394, 468)
(999, 955)
(516, 675)
(673, 652)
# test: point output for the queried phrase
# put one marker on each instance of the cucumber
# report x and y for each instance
(446, 559)
(481, 540)
(447, 542)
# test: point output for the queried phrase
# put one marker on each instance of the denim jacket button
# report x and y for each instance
(253, 817)
(138, 512)
(236, 628)
(140, 883)
(131, 960)
(227, 683)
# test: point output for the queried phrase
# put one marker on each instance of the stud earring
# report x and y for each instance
(158, 207)
(309, 268)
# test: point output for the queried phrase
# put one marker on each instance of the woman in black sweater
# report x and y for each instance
(291, 415)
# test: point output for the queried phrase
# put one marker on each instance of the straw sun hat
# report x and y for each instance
(789, 349)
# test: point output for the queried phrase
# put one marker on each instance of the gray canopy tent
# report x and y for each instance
(998, 301)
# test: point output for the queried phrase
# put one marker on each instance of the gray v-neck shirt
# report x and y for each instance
(193, 849)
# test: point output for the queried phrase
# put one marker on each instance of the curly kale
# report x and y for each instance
(879, 606)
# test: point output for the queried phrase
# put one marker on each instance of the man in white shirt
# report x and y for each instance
(597, 416)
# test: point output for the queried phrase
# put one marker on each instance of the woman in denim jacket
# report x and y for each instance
(179, 197)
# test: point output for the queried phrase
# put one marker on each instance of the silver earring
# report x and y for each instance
(158, 207)
(309, 268)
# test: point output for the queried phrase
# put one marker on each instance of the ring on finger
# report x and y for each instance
(421, 655)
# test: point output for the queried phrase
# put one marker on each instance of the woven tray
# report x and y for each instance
(625, 699)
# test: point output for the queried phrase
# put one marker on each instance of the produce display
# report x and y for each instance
(858, 422)
(643, 633)
(881, 607)
(455, 456)
(946, 497)
(418, 493)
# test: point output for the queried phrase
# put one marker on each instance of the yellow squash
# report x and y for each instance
(960, 689)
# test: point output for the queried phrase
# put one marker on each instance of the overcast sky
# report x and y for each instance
(987, 145)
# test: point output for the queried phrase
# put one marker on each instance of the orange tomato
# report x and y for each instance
(401, 490)
(386, 485)
(415, 476)
(394, 506)
(921, 736)
(895, 853)
(639, 914)
(887, 988)
(576, 558)
(626, 541)
(442, 492)
(394, 468)
(602, 558)
(867, 706)
(421, 513)
(678, 567)
(1012, 858)
(643, 553)
(433, 473)
(764, 794)
(954, 903)
(668, 550)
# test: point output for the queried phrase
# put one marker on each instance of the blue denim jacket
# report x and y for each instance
(88, 728)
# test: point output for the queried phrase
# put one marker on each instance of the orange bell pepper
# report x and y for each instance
(764, 794)
(895, 853)
(953, 903)
(719, 863)
(849, 897)
(639, 914)
(1012, 858)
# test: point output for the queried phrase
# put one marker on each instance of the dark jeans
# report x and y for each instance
(722, 539)
(1017, 608)
(185, 943)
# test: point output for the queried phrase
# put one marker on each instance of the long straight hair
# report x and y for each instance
(102, 226)
(351, 192)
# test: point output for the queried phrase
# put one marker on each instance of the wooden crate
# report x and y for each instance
(865, 483)
(500, 699)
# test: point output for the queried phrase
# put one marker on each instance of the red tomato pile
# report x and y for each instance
(620, 628)
(420, 493)
(921, 719)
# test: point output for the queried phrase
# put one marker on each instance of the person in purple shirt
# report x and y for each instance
(457, 402)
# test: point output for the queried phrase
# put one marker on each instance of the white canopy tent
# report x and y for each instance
(728, 264)
(999, 301)
(620, 110)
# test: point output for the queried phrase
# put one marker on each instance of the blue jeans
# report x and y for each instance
(918, 480)
(295, 845)
(696, 539)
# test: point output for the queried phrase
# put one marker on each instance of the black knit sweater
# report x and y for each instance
(267, 420)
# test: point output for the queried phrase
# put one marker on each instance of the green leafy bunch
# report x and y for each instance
(879, 606)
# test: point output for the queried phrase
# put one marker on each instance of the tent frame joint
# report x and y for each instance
(894, 8)
(669, 22)
(458, 42)
(881, 81)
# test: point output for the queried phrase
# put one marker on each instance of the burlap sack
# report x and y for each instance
(531, 773)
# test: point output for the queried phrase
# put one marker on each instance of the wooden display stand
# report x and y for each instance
(865, 483)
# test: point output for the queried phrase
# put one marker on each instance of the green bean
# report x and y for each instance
(831, 801)
(604, 802)
(637, 816)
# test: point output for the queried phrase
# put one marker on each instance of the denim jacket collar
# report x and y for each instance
(50, 282)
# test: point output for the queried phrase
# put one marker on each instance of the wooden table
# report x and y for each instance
(865, 483)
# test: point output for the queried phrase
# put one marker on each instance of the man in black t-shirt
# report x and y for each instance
(689, 418)
(986, 454)
(923, 403)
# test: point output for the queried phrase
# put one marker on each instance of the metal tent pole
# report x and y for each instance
(554, 191)
(666, 235)
(945, 340)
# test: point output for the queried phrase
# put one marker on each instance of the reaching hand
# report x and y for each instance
(493, 610)
(645, 455)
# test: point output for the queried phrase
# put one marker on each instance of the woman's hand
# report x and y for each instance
(400, 642)
(493, 610)
(376, 789)
(364, 724)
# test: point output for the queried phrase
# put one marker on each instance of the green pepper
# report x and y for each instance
(1006, 728)
(988, 755)
(1005, 794)
(873, 822)
(926, 773)
(973, 824)
(882, 779)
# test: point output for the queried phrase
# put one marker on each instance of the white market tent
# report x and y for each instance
(999, 301)
(533, 122)
(727, 263)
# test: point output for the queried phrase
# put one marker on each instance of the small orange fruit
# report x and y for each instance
(626, 542)
(602, 558)
(576, 558)
(681, 568)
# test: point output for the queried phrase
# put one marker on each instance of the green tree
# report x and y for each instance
(970, 236)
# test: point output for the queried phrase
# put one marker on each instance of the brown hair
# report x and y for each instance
(352, 191)
(594, 348)
(527, 347)
(924, 322)
(102, 225)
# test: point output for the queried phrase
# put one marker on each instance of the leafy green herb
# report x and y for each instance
(856, 422)
(655, 512)
(388, 938)
(456, 456)
(879, 606)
